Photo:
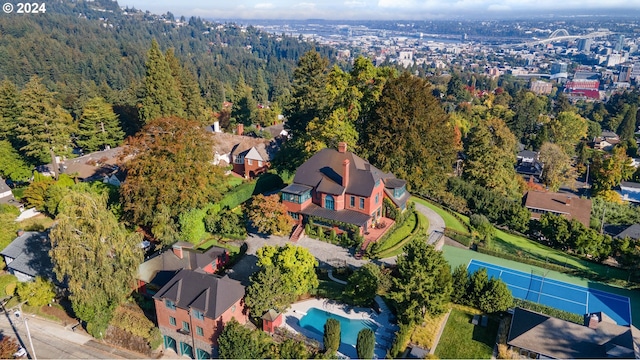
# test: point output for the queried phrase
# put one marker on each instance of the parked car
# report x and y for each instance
(22, 352)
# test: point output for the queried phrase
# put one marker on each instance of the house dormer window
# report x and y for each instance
(329, 202)
(249, 162)
(198, 314)
(239, 160)
(397, 193)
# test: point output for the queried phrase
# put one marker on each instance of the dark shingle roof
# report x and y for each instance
(30, 252)
(210, 294)
(297, 189)
(325, 168)
(632, 232)
(561, 339)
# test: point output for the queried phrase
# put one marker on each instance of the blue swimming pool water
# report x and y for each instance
(315, 319)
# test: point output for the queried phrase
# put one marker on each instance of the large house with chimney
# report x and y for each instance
(248, 156)
(339, 186)
(567, 205)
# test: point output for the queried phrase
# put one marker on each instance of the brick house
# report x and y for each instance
(157, 271)
(338, 185)
(192, 309)
(248, 155)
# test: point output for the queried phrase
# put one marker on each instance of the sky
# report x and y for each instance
(370, 9)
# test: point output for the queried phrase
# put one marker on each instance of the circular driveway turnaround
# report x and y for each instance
(323, 251)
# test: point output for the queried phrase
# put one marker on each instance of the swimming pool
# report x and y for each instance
(315, 319)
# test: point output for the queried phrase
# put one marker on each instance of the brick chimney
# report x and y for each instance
(568, 202)
(594, 320)
(342, 147)
(240, 129)
(177, 249)
(345, 172)
(20, 232)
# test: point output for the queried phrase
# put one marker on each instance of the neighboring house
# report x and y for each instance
(249, 156)
(341, 186)
(96, 166)
(606, 141)
(277, 131)
(159, 270)
(534, 335)
(630, 191)
(28, 256)
(6, 196)
(193, 308)
(529, 164)
(632, 232)
(567, 205)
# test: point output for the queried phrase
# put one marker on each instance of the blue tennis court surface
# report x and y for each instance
(557, 294)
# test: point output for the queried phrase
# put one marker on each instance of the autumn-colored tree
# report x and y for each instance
(98, 126)
(407, 117)
(171, 172)
(88, 243)
(269, 215)
(567, 129)
(8, 347)
(557, 166)
(610, 169)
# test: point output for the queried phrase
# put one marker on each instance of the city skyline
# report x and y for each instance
(376, 9)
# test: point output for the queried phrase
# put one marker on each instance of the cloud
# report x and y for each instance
(305, 5)
(499, 7)
(353, 4)
(264, 6)
(396, 3)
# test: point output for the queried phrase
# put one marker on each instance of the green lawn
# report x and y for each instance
(233, 181)
(463, 340)
(394, 247)
(456, 256)
(216, 241)
(450, 221)
(514, 244)
(400, 233)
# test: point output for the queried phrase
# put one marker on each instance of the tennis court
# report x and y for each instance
(536, 287)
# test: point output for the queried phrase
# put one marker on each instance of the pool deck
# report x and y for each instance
(384, 333)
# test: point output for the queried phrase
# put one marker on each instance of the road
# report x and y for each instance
(53, 341)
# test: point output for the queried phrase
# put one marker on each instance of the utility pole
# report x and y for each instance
(604, 211)
(19, 315)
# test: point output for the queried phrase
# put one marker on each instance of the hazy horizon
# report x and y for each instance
(382, 9)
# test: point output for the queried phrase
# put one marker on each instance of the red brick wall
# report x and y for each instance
(254, 167)
(293, 207)
(211, 327)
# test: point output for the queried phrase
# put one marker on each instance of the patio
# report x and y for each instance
(374, 234)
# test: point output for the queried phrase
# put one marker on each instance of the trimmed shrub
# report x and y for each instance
(8, 284)
(401, 340)
(365, 344)
(331, 336)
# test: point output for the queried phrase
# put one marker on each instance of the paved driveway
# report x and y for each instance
(325, 253)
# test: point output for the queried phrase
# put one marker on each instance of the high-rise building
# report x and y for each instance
(558, 68)
(625, 73)
(619, 43)
(585, 44)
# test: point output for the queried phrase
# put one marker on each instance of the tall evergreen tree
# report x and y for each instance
(9, 110)
(162, 96)
(98, 126)
(194, 108)
(43, 125)
(628, 126)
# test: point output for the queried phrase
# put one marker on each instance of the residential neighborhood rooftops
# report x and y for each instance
(632, 232)
(348, 216)
(210, 294)
(560, 339)
(565, 204)
(29, 254)
(94, 165)
(237, 144)
(297, 189)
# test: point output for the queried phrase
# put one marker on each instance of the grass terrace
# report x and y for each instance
(393, 245)
(463, 340)
(450, 221)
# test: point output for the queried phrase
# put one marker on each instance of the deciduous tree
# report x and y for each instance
(87, 244)
(238, 342)
(609, 170)
(567, 129)
(407, 116)
(423, 284)
(36, 293)
(491, 155)
(12, 165)
(269, 215)
(557, 166)
(98, 126)
(363, 284)
(268, 291)
(296, 265)
(496, 297)
(170, 173)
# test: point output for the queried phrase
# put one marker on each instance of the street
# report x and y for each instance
(53, 341)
